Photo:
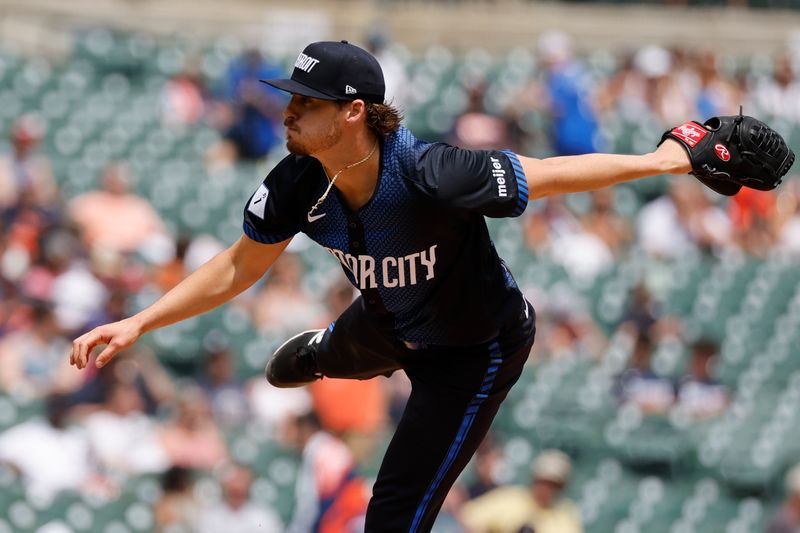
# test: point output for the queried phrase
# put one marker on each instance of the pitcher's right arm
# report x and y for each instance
(216, 282)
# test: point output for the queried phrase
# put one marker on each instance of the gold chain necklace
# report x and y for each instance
(332, 180)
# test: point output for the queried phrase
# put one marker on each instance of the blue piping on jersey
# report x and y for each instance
(522, 183)
(264, 239)
(466, 423)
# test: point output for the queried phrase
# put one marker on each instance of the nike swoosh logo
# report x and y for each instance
(312, 218)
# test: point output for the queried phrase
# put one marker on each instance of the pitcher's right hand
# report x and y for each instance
(117, 336)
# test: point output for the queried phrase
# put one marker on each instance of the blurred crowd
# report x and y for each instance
(69, 264)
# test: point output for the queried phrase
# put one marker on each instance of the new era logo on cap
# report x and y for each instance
(332, 70)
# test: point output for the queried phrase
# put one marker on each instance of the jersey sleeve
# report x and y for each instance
(271, 213)
(488, 182)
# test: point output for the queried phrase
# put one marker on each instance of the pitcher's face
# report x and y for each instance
(312, 125)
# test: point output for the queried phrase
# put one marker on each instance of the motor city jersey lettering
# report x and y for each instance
(390, 272)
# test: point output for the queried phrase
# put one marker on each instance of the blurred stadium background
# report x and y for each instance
(131, 136)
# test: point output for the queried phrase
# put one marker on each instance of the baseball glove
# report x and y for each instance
(734, 151)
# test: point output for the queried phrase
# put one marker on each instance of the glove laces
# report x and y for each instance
(737, 124)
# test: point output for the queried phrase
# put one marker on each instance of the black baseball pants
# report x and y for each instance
(455, 395)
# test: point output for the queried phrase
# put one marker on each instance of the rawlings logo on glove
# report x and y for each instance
(690, 133)
(722, 152)
(731, 152)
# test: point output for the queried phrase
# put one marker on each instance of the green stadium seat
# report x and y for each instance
(139, 517)
(21, 515)
(9, 414)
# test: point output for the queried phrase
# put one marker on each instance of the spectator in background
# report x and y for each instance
(682, 222)
(338, 297)
(330, 497)
(614, 94)
(642, 313)
(779, 95)
(448, 520)
(136, 367)
(753, 220)
(25, 225)
(236, 512)
(114, 218)
(356, 410)
(184, 95)
(606, 224)
(25, 172)
(115, 308)
(716, 95)
(13, 308)
(172, 272)
(201, 248)
(787, 219)
(49, 455)
(192, 439)
(664, 95)
(271, 407)
(486, 464)
(177, 508)
(282, 304)
(123, 438)
(254, 109)
(548, 222)
(394, 71)
(646, 86)
(569, 331)
(224, 391)
(700, 394)
(583, 254)
(31, 359)
(569, 100)
(585, 246)
(397, 388)
(75, 291)
(477, 128)
(539, 507)
(53, 256)
(786, 518)
(639, 385)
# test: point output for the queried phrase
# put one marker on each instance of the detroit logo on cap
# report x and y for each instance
(305, 63)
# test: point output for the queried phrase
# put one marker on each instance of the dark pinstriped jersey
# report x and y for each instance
(419, 251)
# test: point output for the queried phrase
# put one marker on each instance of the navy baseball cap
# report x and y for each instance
(331, 70)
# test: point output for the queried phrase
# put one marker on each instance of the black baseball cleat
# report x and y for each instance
(294, 363)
